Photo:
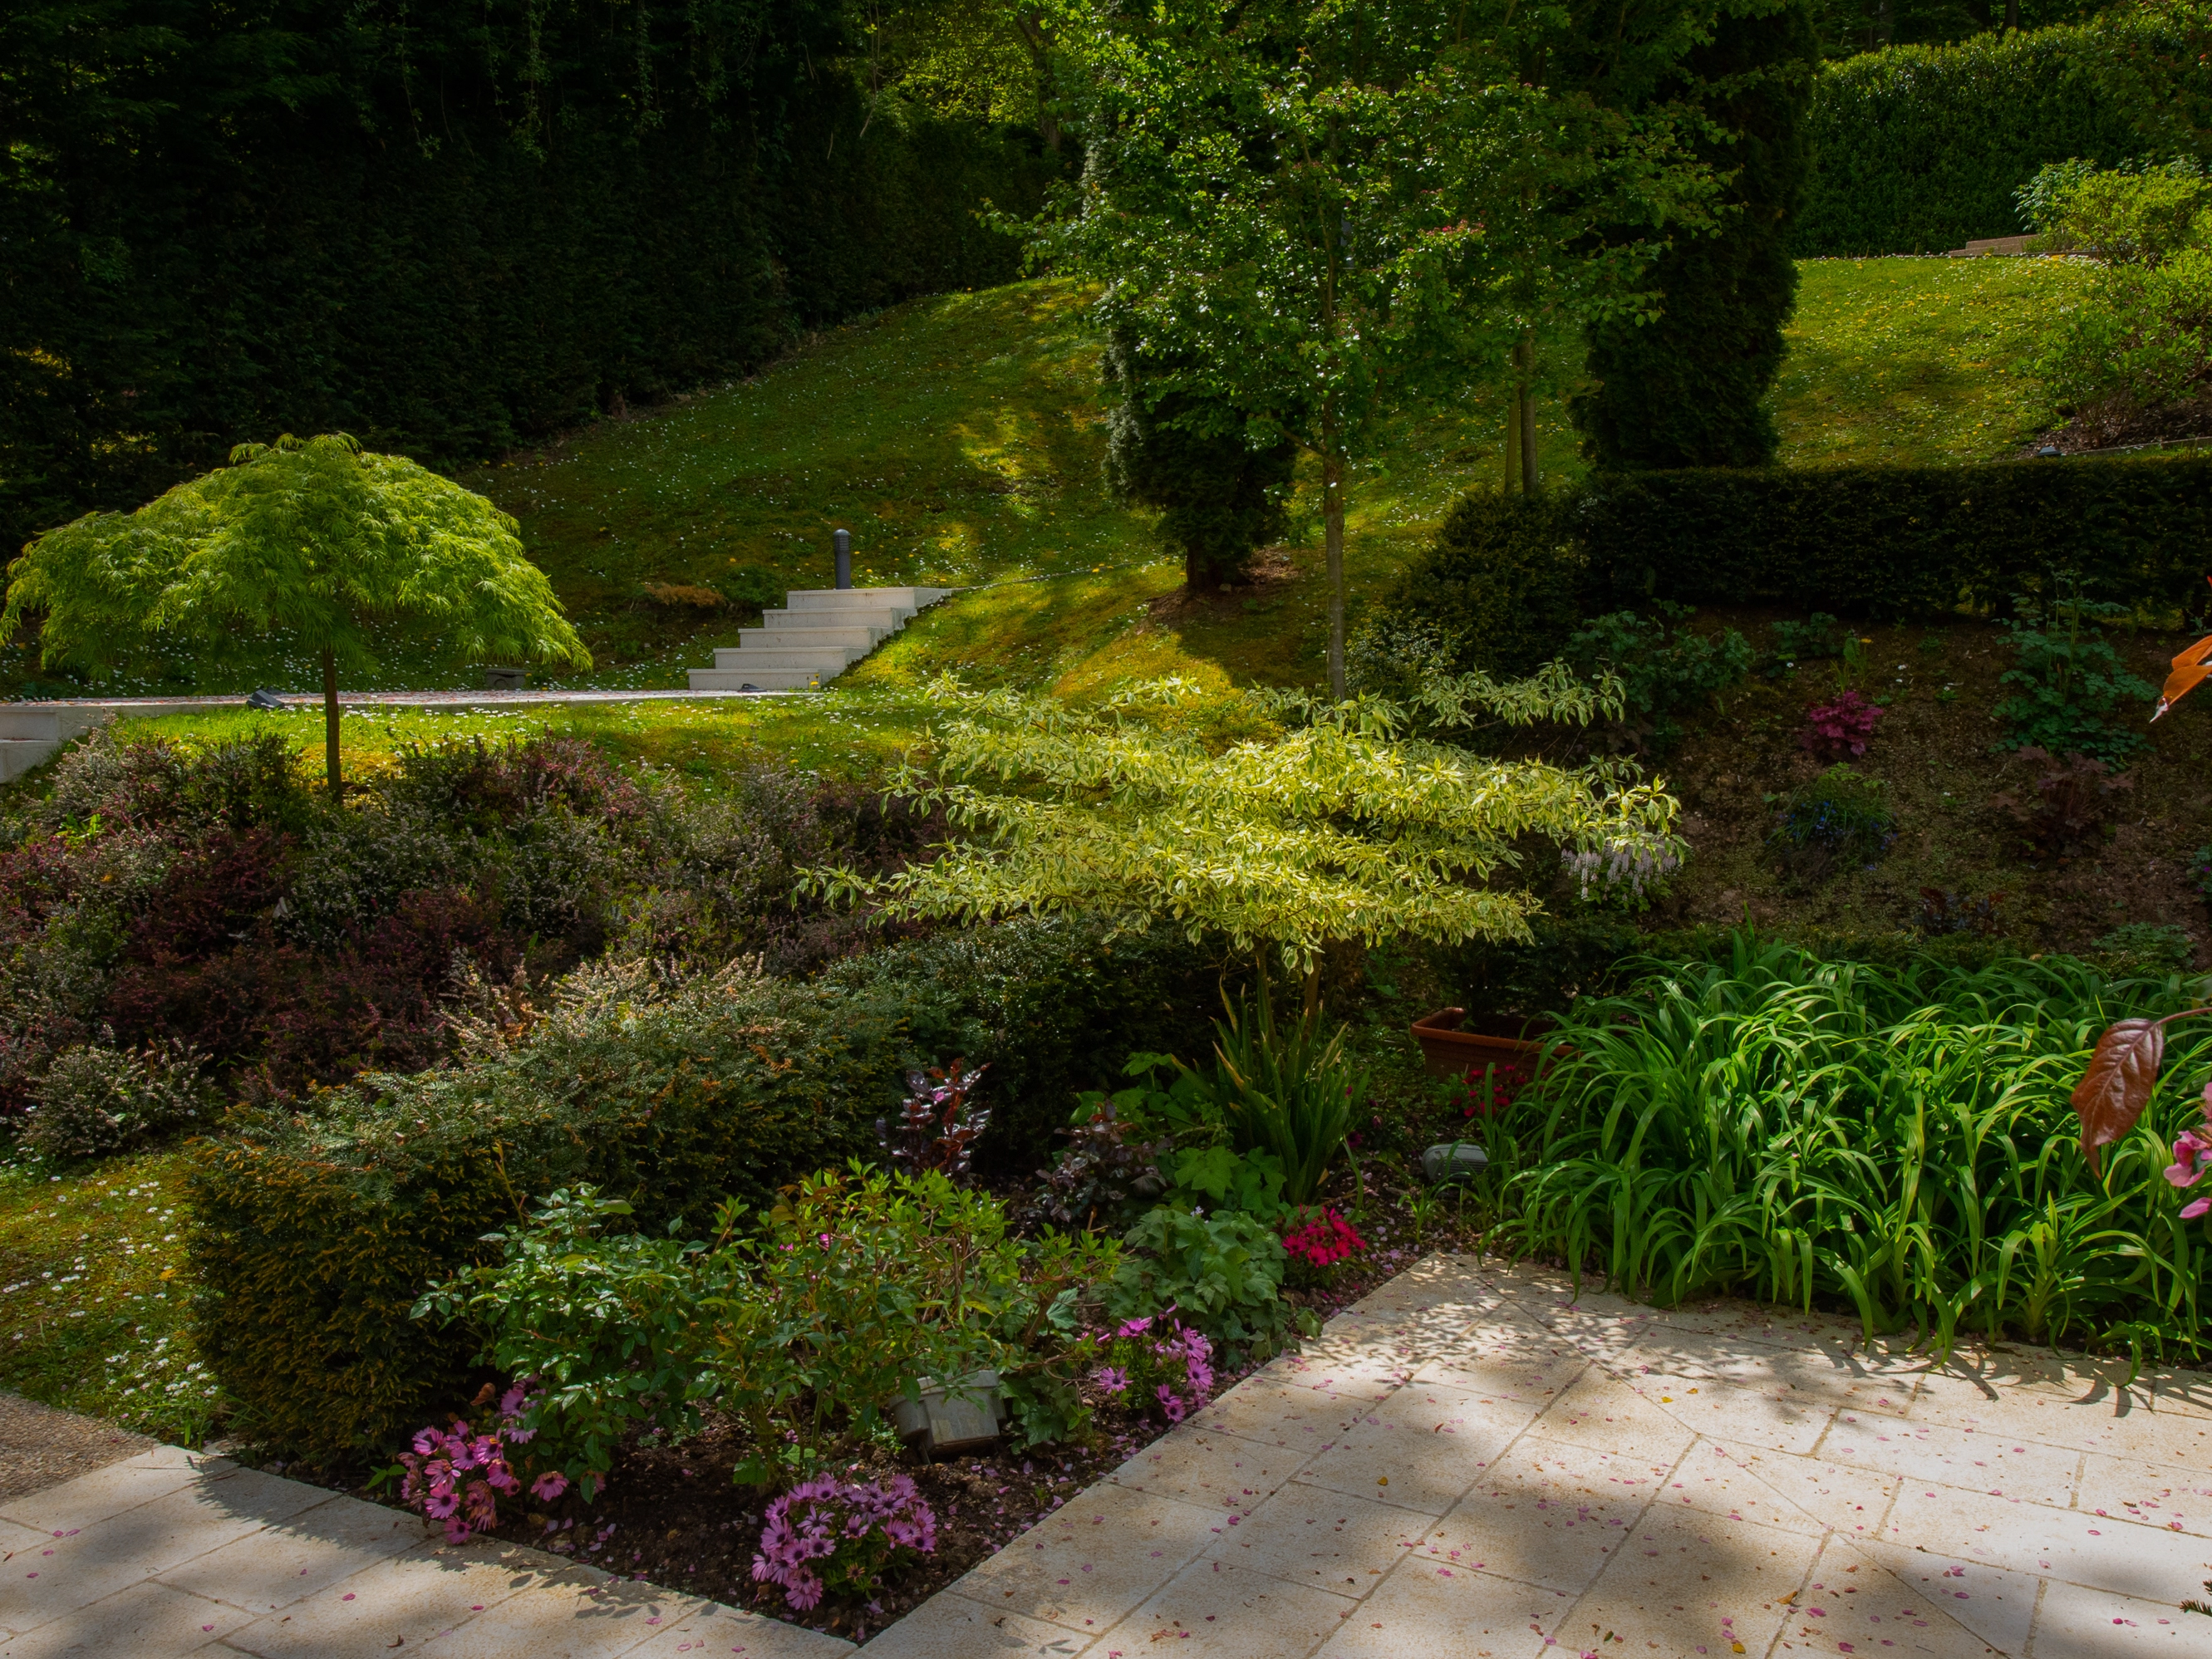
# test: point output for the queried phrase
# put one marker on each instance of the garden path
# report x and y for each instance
(1475, 1464)
(169, 1552)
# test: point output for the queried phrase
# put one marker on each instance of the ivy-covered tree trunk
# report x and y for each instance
(1689, 388)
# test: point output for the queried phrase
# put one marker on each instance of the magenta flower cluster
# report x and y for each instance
(1170, 1368)
(456, 1475)
(2192, 1161)
(833, 1534)
(1323, 1240)
(1840, 730)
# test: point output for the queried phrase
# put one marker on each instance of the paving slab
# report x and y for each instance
(171, 1552)
(1486, 1462)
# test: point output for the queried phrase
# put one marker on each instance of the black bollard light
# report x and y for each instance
(843, 538)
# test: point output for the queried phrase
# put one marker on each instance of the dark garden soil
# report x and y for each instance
(1936, 753)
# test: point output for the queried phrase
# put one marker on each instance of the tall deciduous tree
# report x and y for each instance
(1688, 387)
(1313, 211)
(311, 537)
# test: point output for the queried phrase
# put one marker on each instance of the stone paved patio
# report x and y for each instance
(1470, 1464)
(1474, 1464)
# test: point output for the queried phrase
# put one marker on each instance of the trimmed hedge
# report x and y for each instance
(313, 1234)
(447, 237)
(1916, 150)
(1865, 541)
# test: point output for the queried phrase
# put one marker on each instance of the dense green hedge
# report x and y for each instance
(314, 1232)
(1916, 150)
(1867, 541)
(447, 232)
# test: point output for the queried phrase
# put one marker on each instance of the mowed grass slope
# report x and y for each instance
(962, 439)
(1922, 362)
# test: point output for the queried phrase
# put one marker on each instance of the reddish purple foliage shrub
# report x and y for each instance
(297, 1016)
(1839, 731)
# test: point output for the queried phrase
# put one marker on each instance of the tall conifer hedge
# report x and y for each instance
(447, 230)
(1918, 150)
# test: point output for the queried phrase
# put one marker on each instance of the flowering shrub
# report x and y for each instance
(1489, 1089)
(828, 1534)
(2200, 872)
(456, 1475)
(1840, 730)
(1152, 1366)
(1324, 1239)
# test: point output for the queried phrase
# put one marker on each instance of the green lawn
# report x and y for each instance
(94, 1289)
(1917, 360)
(961, 440)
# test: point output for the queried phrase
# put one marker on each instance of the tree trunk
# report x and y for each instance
(1331, 518)
(331, 723)
(1031, 27)
(1524, 408)
(1513, 433)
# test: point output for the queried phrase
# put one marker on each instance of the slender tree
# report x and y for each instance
(311, 537)
(1688, 387)
(1313, 211)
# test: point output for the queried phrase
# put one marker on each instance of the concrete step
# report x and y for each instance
(19, 755)
(49, 722)
(761, 679)
(817, 633)
(814, 659)
(913, 598)
(859, 635)
(889, 618)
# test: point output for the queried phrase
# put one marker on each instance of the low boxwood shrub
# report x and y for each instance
(314, 1232)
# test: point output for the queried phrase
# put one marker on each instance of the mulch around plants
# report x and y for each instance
(672, 1516)
(41, 1447)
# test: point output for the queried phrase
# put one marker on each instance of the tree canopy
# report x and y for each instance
(1309, 213)
(313, 538)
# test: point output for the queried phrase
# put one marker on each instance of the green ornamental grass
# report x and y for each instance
(1897, 1141)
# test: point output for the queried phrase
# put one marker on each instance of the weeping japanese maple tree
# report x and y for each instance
(313, 538)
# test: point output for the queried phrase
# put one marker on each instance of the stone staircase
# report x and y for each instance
(32, 734)
(818, 634)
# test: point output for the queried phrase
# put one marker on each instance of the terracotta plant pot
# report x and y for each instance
(1449, 1052)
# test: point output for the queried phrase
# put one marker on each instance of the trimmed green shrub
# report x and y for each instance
(1880, 541)
(315, 1232)
(1052, 1006)
(1918, 149)
(1500, 588)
